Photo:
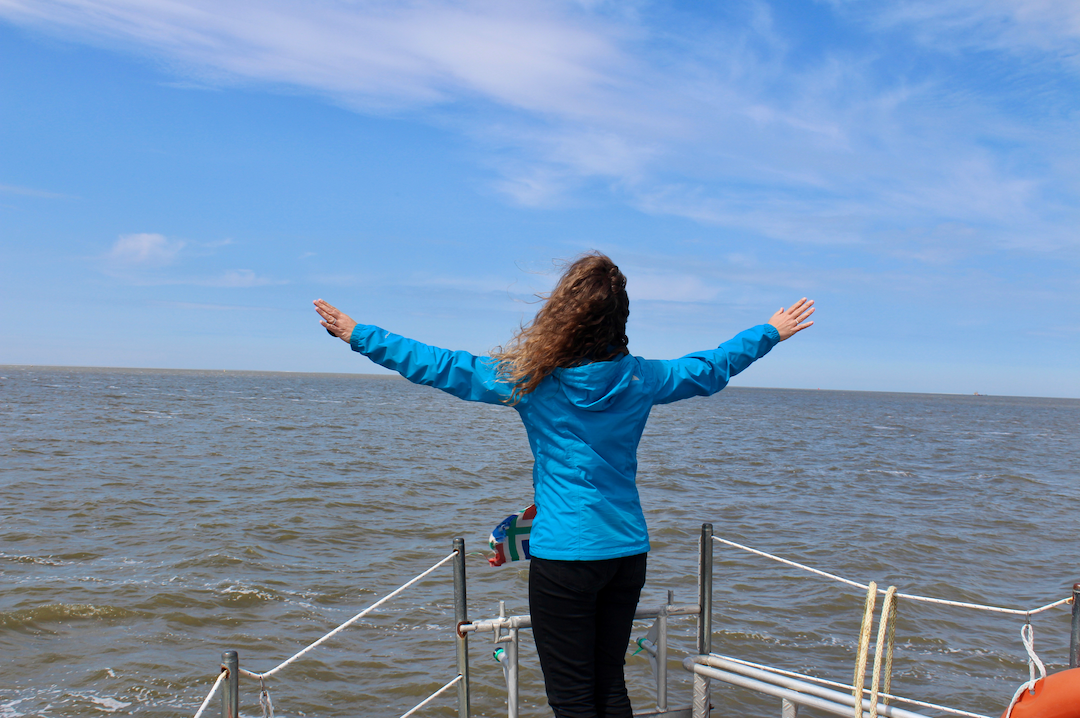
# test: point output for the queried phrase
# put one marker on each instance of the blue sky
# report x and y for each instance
(178, 181)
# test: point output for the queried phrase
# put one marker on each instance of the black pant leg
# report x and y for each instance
(616, 604)
(582, 613)
(562, 603)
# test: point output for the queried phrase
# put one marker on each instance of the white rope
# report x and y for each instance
(217, 684)
(1027, 635)
(804, 567)
(982, 607)
(432, 697)
(910, 597)
(348, 623)
(265, 703)
(843, 686)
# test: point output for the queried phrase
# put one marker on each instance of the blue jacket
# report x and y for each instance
(584, 425)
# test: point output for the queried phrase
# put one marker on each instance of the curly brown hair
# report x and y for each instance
(583, 320)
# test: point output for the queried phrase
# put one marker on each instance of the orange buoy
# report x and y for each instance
(1056, 696)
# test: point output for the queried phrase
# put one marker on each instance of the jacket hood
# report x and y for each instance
(595, 386)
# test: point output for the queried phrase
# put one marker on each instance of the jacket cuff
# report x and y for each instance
(357, 337)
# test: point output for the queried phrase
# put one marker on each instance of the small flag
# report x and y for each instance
(510, 539)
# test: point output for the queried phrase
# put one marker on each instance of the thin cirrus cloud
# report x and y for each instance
(237, 278)
(1018, 26)
(31, 192)
(150, 259)
(144, 250)
(370, 54)
(718, 124)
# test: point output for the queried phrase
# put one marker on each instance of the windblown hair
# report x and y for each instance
(583, 320)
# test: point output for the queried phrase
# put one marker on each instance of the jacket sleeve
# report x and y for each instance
(456, 372)
(705, 373)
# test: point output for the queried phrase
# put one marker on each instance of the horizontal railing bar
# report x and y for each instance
(814, 696)
(771, 670)
(493, 625)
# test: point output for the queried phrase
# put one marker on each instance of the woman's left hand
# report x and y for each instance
(793, 320)
(337, 322)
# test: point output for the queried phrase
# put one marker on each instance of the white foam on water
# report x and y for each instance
(109, 705)
(7, 710)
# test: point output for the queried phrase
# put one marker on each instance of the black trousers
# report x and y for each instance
(582, 613)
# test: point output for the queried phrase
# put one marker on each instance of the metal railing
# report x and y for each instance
(796, 690)
(793, 689)
(228, 680)
(506, 631)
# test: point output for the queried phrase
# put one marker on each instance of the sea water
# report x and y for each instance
(150, 520)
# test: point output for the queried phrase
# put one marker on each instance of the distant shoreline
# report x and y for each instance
(978, 396)
(193, 372)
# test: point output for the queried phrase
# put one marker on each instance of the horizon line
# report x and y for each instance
(395, 375)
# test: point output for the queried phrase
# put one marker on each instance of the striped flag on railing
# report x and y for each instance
(510, 539)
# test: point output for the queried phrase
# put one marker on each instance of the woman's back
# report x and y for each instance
(584, 425)
(584, 402)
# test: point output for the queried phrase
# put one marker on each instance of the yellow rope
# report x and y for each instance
(864, 646)
(884, 637)
(891, 642)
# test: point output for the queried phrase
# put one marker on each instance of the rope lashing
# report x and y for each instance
(884, 648)
(907, 596)
(1027, 635)
(265, 703)
(864, 646)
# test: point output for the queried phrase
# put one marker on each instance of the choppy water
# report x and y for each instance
(151, 519)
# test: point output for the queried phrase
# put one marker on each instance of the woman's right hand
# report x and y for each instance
(337, 322)
(791, 321)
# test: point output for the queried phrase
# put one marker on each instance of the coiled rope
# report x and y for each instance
(864, 645)
(884, 647)
(887, 633)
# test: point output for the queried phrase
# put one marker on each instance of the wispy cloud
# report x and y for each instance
(214, 307)
(733, 123)
(237, 278)
(31, 192)
(153, 259)
(144, 250)
(371, 54)
(1046, 27)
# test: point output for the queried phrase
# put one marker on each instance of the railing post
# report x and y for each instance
(661, 655)
(230, 689)
(1074, 644)
(512, 675)
(461, 616)
(704, 637)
